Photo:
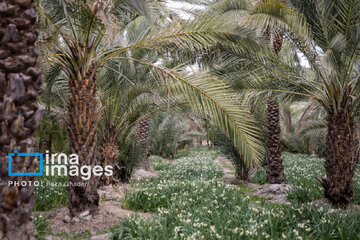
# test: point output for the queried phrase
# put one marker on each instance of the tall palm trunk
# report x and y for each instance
(340, 161)
(20, 80)
(275, 168)
(82, 122)
(109, 154)
(143, 135)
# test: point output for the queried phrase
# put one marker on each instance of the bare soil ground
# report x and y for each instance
(141, 174)
(109, 214)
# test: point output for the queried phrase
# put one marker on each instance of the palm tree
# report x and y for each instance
(120, 110)
(139, 73)
(83, 42)
(20, 80)
(275, 169)
(74, 52)
(172, 131)
(273, 38)
(326, 33)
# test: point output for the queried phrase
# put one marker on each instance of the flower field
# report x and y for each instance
(302, 171)
(190, 202)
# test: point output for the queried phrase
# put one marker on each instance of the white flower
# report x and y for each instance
(301, 225)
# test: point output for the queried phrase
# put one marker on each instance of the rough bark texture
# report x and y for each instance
(340, 160)
(143, 135)
(275, 168)
(20, 80)
(278, 40)
(82, 122)
(109, 154)
(45, 144)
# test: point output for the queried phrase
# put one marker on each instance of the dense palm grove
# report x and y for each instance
(141, 86)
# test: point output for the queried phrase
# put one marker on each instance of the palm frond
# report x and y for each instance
(211, 97)
(314, 129)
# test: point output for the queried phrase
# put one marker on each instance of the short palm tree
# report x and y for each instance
(122, 107)
(140, 74)
(120, 111)
(20, 80)
(82, 42)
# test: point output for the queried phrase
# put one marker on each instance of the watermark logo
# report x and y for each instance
(39, 155)
(60, 164)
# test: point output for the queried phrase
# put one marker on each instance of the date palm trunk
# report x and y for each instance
(82, 122)
(143, 135)
(275, 169)
(340, 161)
(109, 154)
(20, 80)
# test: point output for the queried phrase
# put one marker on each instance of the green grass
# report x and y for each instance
(190, 202)
(158, 164)
(302, 171)
(77, 236)
(41, 226)
(259, 177)
(50, 197)
(182, 153)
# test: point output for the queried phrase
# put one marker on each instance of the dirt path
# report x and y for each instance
(109, 214)
(273, 193)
